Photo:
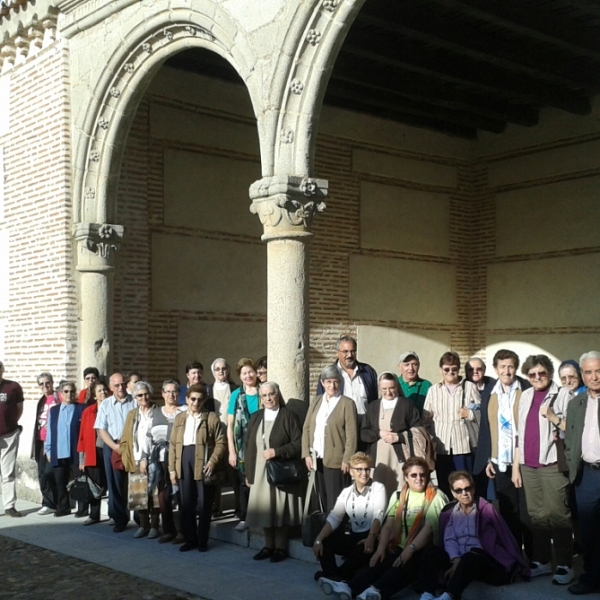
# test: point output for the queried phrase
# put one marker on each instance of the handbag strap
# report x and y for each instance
(263, 432)
(312, 485)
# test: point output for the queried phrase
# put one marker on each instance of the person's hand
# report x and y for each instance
(368, 543)
(448, 574)
(377, 557)
(117, 449)
(82, 468)
(309, 463)
(516, 477)
(248, 484)
(490, 471)
(317, 549)
(208, 469)
(268, 454)
(232, 459)
(545, 410)
(143, 467)
(404, 557)
(345, 468)
(173, 475)
(463, 412)
(389, 437)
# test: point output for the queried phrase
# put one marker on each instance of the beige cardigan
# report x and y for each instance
(340, 432)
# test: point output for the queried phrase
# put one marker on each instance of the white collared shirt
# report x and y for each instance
(354, 388)
(325, 410)
(590, 440)
(192, 423)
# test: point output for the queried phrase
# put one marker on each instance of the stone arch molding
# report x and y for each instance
(120, 88)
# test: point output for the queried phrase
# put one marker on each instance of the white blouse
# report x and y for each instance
(362, 508)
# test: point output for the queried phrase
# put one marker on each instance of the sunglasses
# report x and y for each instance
(450, 369)
(460, 491)
(417, 475)
(542, 375)
(362, 469)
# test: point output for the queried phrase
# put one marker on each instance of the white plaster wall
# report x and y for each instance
(4, 104)
(546, 218)
(389, 289)
(198, 274)
(207, 340)
(381, 347)
(209, 192)
(552, 292)
(404, 220)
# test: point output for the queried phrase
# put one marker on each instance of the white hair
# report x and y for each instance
(592, 355)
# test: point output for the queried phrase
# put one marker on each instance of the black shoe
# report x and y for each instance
(81, 513)
(64, 513)
(579, 589)
(264, 554)
(278, 556)
(119, 528)
(187, 547)
(13, 512)
(203, 548)
(318, 575)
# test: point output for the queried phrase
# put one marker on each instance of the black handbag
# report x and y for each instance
(282, 472)
(79, 489)
(313, 522)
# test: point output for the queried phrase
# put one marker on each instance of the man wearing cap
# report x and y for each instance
(413, 387)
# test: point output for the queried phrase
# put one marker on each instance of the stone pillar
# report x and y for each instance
(97, 245)
(286, 206)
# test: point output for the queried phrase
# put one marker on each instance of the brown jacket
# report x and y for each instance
(210, 428)
(340, 432)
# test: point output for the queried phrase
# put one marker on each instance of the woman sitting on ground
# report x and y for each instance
(476, 545)
(412, 524)
(273, 433)
(363, 505)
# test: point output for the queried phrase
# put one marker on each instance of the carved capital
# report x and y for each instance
(97, 245)
(286, 205)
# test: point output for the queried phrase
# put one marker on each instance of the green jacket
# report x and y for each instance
(574, 432)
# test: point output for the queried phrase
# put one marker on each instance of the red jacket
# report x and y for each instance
(87, 435)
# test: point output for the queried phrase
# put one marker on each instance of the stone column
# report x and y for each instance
(286, 206)
(97, 245)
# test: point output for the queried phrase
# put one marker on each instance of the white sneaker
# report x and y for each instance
(371, 593)
(538, 569)
(427, 596)
(45, 510)
(445, 596)
(563, 575)
(241, 526)
(339, 589)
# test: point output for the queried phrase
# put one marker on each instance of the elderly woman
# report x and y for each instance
(273, 433)
(363, 505)
(569, 373)
(449, 406)
(62, 434)
(385, 421)
(196, 448)
(536, 468)
(329, 437)
(136, 448)
(90, 447)
(476, 545)
(412, 524)
(242, 405)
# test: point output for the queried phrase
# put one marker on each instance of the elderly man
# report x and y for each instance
(582, 451)
(496, 445)
(46, 479)
(11, 409)
(413, 387)
(475, 373)
(360, 379)
(194, 372)
(110, 423)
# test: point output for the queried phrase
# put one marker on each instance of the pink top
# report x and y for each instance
(43, 418)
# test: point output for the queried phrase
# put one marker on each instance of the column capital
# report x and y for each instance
(286, 204)
(97, 244)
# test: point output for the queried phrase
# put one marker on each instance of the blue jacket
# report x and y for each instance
(75, 424)
(369, 378)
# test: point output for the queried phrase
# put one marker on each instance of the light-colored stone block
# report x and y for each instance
(389, 289)
(381, 347)
(553, 292)
(190, 273)
(254, 16)
(546, 218)
(232, 340)
(419, 171)
(209, 192)
(404, 220)
(4, 104)
(186, 126)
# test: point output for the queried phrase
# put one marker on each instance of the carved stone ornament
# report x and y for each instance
(286, 136)
(313, 37)
(296, 87)
(129, 67)
(330, 5)
(280, 203)
(94, 155)
(147, 47)
(115, 92)
(103, 123)
(97, 245)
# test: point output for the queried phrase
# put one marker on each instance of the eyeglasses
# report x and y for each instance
(362, 469)
(143, 395)
(460, 491)
(540, 375)
(450, 369)
(196, 399)
(220, 369)
(417, 475)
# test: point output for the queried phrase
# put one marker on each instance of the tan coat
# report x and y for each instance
(210, 428)
(340, 432)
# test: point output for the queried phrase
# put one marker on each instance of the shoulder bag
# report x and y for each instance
(281, 472)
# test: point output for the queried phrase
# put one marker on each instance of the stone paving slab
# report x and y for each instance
(226, 572)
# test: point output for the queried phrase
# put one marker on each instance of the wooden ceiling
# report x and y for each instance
(459, 66)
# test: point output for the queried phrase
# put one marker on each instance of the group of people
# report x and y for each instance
(384, 453)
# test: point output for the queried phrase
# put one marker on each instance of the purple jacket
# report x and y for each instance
(494, 536)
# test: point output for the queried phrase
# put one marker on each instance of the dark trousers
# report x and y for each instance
(243, 494)
(587, 492)
(116, 482)
(387, 578)
(346, 545)
(46, 480)
(196, 501)
(513, 508)
(165, 492)
(63, 473)
(475, 565)
(330, 483)
(446, 463)
(98, 475)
